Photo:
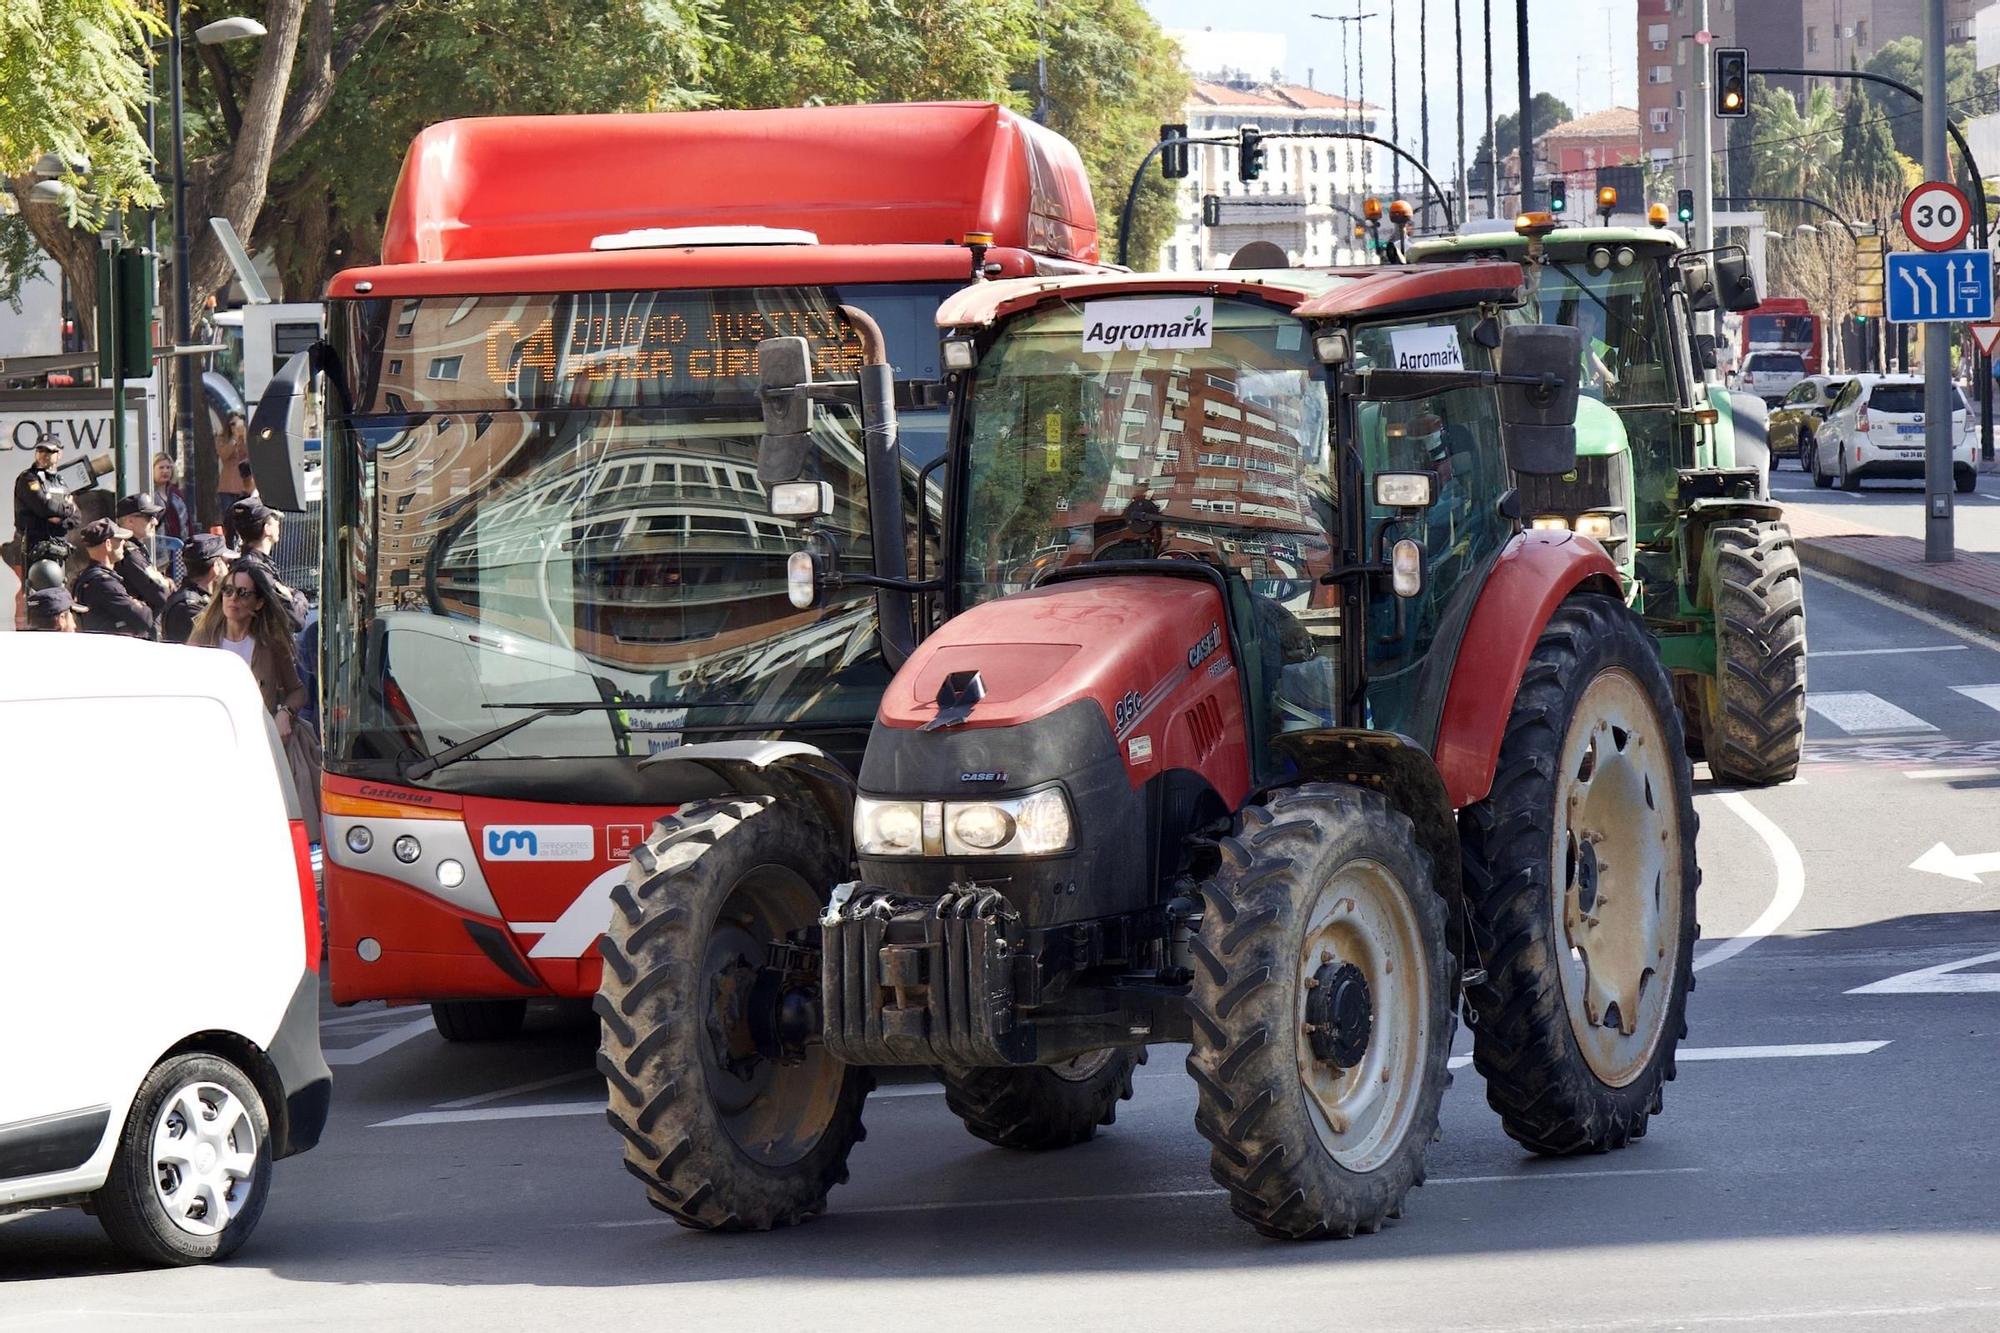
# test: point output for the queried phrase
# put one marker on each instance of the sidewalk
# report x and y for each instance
(1967, 589)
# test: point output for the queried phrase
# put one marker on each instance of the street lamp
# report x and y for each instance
(1805, 229)
(209, 34)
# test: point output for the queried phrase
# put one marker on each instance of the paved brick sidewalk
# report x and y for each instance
(1966, 589)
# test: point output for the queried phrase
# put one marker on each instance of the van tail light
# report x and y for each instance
(1861, 418)
(308, 893)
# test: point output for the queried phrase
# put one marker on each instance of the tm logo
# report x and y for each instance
(499, 842)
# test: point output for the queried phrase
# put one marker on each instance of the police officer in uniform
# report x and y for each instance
(139, 515)
(207, 561)
(99, 593)
(43, 510)
(51, 609)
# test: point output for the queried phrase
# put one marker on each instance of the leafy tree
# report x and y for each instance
(1869, 163)
(1546, 111)
(1796, 149)
(1969, 90)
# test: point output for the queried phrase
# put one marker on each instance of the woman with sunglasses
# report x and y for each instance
(247, 620)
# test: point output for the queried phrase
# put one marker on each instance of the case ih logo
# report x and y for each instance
(541, 842)
(1209, 643)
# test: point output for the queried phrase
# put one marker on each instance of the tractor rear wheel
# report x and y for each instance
(1754, 707)
(1322, 1012)
(725, 1134)
(1044, 1106)
(1580, 874)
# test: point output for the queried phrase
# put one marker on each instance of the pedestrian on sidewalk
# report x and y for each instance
(52, 610)
(139, 515)
(176, 515)
(99, 593)
(248, 619)
(206, 561)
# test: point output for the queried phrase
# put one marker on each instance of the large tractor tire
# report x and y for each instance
(1754, 708)
(1322, 1009)
(1045, 1106)
(1580, 874)
(723, 1137)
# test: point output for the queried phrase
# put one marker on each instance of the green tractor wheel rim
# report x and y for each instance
(1361, 921)
(1617, 889)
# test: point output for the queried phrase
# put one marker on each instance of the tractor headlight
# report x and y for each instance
(979, 828)
(1599, 525)
(1550, 523)
(888, 828)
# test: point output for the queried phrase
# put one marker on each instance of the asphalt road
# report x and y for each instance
(1826, 1159)
(1896, 506)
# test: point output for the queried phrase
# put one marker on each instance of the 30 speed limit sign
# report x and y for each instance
(1936, 216)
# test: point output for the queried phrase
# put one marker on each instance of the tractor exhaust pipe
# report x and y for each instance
(895, 611)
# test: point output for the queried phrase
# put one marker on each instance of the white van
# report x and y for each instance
(159, 957)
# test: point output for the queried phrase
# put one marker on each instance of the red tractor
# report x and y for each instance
(1239, 711)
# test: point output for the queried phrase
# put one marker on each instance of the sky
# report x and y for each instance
(1583, 51)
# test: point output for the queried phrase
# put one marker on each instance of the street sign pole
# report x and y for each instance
(1938, 540)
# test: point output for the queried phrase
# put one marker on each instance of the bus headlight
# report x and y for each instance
(888, 828)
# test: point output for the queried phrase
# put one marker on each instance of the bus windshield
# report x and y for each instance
(552, 501)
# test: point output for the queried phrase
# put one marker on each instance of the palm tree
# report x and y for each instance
(1794, 151)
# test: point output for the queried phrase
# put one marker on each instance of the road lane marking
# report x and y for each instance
(1949, 774)
(500, 1094)
(467, 1110)
(1887, 652)
(1785, 898)
(1802, 1051)
(362, 1016)
(1989, 695)
(1858, 712)
(381, 1045)
(1531, 1176)
(1944, 979)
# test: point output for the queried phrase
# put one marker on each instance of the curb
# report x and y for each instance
(1952, 603)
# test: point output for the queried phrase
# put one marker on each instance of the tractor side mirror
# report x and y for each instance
(278, 435)
(784, 372)
(1708, 354)
(1538, 392)
(1735, 288)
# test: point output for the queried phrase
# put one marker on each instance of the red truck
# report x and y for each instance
(1782, 324)
(550, 555)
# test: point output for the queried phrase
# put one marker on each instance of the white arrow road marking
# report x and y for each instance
(1785, 897)
(1941, 860)
(1944, 979)
(1981, 694)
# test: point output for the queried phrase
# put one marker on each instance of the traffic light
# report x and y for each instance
(1211, 210)
(1558, 195)
(1732, 81)
(1249, 153)
(1173, 157)
(1684, 206)
(124, 313)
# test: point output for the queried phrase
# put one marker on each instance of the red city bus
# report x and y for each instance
(548, 554)
(1783, 324)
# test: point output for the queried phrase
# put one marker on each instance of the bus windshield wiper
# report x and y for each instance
(431, 763)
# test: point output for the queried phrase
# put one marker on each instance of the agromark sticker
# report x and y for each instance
(1432, 347)
(1137, 326)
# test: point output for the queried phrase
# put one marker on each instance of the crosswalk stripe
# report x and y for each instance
(1858, 712)
(1981, 694)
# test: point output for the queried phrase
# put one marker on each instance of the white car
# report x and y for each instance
(1875, 428)
(159, 956)
(1770, 375)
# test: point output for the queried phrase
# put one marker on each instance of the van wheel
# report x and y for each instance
(193, 1164)
(479, 1020)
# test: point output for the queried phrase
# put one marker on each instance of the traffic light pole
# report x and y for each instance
(1704, 155)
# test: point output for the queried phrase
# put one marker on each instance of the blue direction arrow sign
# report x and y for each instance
(1940, 288)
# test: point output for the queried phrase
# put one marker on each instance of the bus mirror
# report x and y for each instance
(277, 436)
(1735, 288)
(784, 370)
(1538, 392)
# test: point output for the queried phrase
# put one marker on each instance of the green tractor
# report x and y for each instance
(1671, 476)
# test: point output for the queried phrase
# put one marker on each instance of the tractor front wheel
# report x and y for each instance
(725, 1132)
(1322, 1011)
(1580, 874)
(1754, 707)
(1044, 1106)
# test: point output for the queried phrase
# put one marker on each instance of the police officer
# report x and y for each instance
(207, 561)
(139, 515)
(43, 510)
(99, 593)
(52, 609)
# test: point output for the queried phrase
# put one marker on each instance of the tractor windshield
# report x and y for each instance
(1621, 310)
(1108, 431)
